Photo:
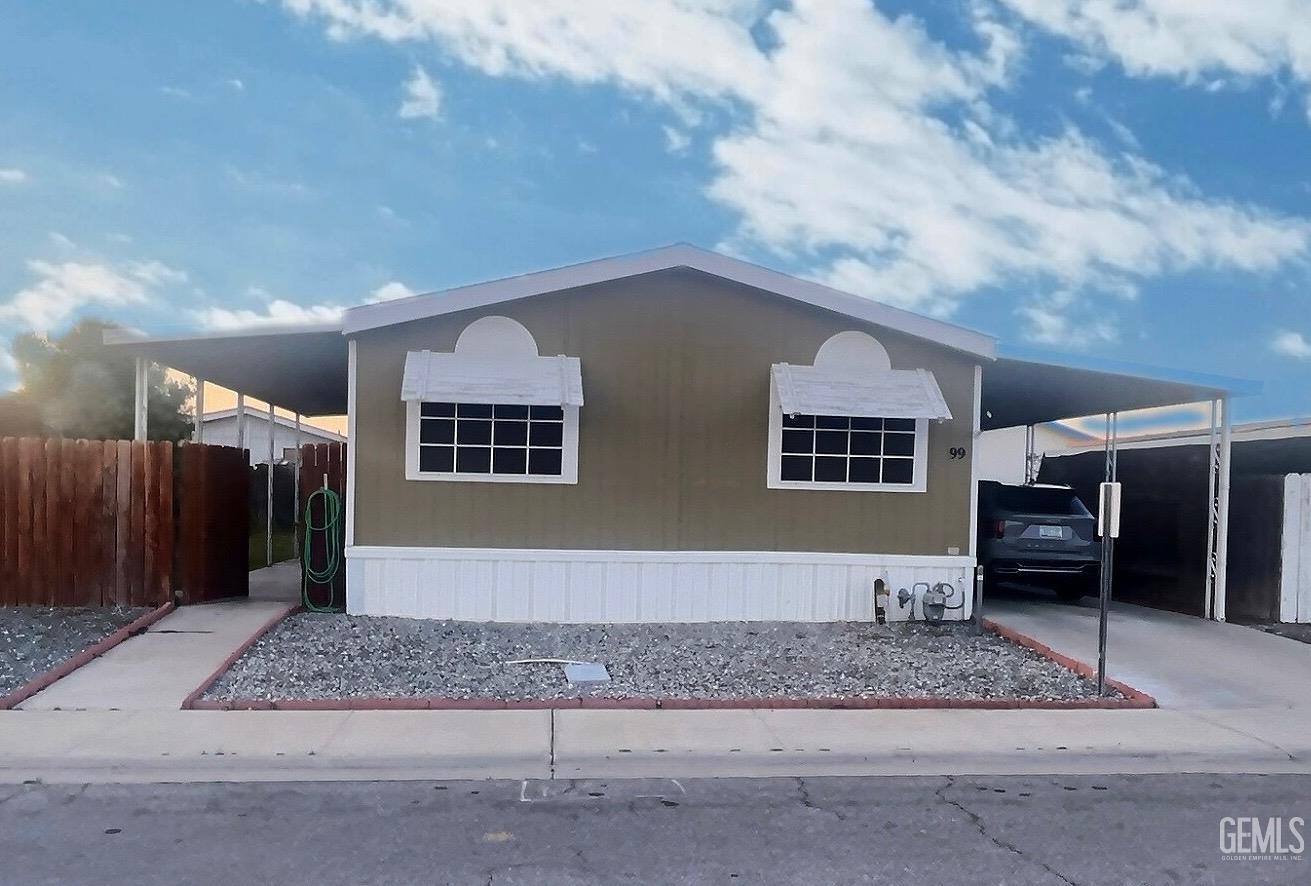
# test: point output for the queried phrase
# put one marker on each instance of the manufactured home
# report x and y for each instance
(674, 435)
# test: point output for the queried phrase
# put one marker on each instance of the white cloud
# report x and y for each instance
(278, 312)
(175, 91)
(11, 176)
(423, 97)
(1063, 319)
(1193, 41)
(61, 240)
(925, 195)
(1288, 343)
(62, 289)
(676, 140)
(390, 291)
(237, 84)
(111, 181)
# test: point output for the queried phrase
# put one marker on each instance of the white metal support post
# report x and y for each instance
(198, 432)
(1108, 552)
(268, 500)
(1217, 538)
(139, 401)
(241, 420)
(1030, 456)
(1222, 518)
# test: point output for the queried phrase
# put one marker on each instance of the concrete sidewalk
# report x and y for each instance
(137, 746)
(158, 669)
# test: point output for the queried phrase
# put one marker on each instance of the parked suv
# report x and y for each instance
(1038, 534)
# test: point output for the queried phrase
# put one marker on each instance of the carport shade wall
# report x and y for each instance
(673, 436)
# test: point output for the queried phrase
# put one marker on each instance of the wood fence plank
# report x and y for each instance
(122, 522)
(26, 518)
(107, 520)
(46, 565)
(8, 519)
(91, 531)
(167, 523)
(136, 551)
(150, 521)
(66, 594)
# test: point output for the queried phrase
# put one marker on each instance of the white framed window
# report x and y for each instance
(847, 452)
(491, 443)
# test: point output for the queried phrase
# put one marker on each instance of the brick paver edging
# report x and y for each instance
(68, 665)
(193, 701)
(1132, 697)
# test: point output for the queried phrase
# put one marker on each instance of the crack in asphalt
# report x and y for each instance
(977, 821)
(804, 790)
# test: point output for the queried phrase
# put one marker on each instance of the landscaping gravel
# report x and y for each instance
(340, 656)
(32, 641)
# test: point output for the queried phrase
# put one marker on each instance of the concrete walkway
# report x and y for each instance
(158, 669)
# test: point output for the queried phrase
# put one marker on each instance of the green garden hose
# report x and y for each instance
(330, 531)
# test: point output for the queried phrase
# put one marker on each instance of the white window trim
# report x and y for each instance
(773, 459)
(568, 455)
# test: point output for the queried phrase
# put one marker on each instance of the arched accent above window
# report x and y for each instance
(853, 351)
(496, 337)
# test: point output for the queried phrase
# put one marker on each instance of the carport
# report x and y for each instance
(1023, 389)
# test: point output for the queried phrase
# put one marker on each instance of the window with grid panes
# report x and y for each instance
(847, 449)
(492, 439)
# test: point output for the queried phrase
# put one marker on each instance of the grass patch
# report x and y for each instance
(284, 545)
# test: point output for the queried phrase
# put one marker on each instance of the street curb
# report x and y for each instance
(66, 667)
(193, 701)
(1133, 698)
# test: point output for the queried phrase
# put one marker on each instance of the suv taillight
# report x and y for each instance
(1000, 529)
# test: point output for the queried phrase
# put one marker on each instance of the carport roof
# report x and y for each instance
(1027, 387)
(300, 368)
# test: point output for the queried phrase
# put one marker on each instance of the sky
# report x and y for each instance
(1110, 179)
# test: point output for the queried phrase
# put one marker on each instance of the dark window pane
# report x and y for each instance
(832, 421)
(799, 441)
(898, 444)
(511, 433)
(511, 411)
(437, 409)
(437, 430)
(475, 410)
(867, 424)
(545, 433)
(509, 461)
(798, 421)
(475, 432)
(831, 442)
(437, 459)
(830, 470)
(864, 470)
(865, 442)
(473, 460)
(544, 461)
(795, 467)
(547, 412)
(898, 470)
(899, 424)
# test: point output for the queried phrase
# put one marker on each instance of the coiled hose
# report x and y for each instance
(329, 530)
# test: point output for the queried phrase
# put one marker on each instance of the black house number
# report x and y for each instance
(956, 452)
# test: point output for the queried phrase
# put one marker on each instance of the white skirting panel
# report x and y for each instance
(489, 584)
(1295, 583)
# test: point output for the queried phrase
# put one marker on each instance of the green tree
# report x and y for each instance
(84, 389)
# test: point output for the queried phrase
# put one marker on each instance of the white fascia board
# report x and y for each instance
(135, 337)
(478, 295)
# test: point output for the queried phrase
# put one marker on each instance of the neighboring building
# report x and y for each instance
(1160, 558)
(221, 428)
(1002, 452)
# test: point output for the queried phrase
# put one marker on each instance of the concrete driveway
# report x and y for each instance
(1184, 662)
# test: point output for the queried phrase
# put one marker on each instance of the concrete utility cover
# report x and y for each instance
(591, 672)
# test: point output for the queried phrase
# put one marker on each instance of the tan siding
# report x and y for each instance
(672, 439)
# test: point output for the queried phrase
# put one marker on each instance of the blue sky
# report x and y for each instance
(1124, 180)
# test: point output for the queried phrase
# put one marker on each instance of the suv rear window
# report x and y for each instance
(1037, 500)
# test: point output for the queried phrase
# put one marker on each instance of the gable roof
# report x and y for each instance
(258, 415)
(681, 255)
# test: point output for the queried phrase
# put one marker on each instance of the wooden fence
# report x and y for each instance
(213, 523)
(95, 523)
(322, 463)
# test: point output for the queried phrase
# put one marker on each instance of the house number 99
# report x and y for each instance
(956, 452)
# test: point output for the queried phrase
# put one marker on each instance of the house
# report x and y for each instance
(1162, 554)
(222, 428)
(1005, 456)
(672, 435)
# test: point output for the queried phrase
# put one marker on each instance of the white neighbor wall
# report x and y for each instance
(1295, 580)
(1001, 452)
(221, 429)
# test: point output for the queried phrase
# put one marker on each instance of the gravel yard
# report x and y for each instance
(32, 641)
(341, 656)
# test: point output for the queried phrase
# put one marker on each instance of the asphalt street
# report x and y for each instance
(906, 831)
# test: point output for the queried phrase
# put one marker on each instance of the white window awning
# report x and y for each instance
(515, 381)
(890, 393)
